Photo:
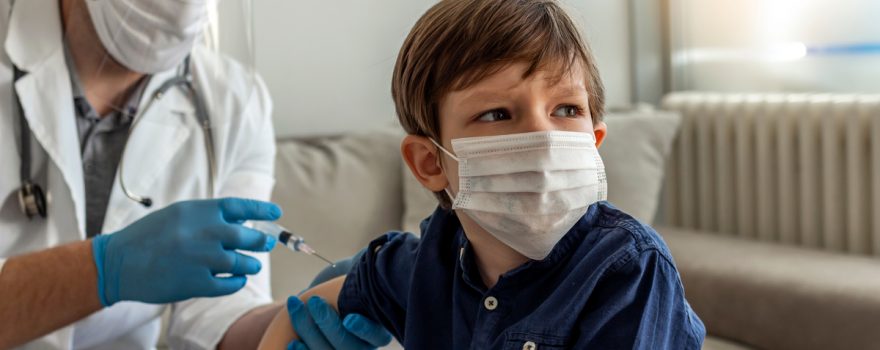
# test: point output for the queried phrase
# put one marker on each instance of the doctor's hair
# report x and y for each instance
(458, 43)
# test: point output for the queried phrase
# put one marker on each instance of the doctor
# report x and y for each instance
(83, 264)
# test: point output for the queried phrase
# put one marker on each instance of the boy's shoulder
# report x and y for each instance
(618, 233)
(622, 262)
(393, 242)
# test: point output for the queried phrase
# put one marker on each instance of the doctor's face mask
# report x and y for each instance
(149, 36)
(529, 189)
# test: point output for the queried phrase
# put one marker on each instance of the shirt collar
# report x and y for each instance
(85, 110)
(446, 222)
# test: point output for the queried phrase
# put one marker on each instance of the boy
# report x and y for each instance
(502, 103)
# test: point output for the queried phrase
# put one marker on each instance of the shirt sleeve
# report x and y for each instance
(640, 304)
(246, 163)
(378, 284)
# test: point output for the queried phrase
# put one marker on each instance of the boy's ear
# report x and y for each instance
(420, 156)
(600, 129)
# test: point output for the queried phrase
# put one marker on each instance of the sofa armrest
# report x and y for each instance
(778, 297)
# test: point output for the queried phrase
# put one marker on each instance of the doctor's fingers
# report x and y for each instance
(331, 326)
(236, 210)
(220, 286)
(297, 345)
(305, 327)
(234, 263)
(235, 236)
(367, 330)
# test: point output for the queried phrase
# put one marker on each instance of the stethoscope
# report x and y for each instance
(31, 197)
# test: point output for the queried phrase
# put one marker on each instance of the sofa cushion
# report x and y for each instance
(714, 343)
(339, 193)
(778, 297)
(634, 153)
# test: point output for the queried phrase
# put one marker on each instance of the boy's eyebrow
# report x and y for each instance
(489, 95)
(572, 90)
(484, 95)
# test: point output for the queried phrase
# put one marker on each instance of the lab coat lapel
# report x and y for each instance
(157, 137)
(34, 43)
(35, 33)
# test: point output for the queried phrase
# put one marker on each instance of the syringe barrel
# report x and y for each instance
(267, 227)
(283, 236)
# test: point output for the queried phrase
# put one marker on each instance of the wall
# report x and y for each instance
(328, 63)
(607, 29)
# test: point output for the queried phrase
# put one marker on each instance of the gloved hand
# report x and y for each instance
(319, 328)
(176, 253)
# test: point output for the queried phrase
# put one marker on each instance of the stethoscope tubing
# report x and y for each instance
(184, 80)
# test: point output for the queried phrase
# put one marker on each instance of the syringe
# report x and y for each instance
(290, 240)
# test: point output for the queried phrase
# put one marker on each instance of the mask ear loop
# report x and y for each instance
(446, 189)
(444, 150)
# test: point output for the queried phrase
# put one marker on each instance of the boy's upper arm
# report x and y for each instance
(641, 305)
(281, 330)
(378, 284)
(376, 287)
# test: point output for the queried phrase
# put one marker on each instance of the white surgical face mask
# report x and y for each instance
(148, 36)
(528, 190)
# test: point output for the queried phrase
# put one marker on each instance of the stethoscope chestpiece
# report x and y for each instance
(32, 200)
(146, 202)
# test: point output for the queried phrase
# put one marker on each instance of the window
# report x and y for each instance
(774, 45)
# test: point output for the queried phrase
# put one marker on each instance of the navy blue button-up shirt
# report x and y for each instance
(610, 283)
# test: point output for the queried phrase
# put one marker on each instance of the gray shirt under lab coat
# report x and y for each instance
(102, 140)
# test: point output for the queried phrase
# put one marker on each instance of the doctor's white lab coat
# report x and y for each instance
(165, 160)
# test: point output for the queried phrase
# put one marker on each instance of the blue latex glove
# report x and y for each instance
(176, 253)
(319, 328)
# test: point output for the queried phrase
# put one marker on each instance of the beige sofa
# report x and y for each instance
(340, 192)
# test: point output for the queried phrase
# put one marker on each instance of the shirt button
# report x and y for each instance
(530, 345)
(490, 303)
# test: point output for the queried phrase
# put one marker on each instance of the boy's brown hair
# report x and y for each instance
(457, 43)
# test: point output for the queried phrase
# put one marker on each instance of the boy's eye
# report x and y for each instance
(493, 115)
(567, 111)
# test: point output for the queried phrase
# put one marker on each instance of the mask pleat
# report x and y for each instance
(528, 189)
(531, 181)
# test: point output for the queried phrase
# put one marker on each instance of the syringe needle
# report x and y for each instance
(294, 242)
(323, 258)
(305, 248)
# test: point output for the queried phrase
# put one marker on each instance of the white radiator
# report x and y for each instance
(799, 169)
